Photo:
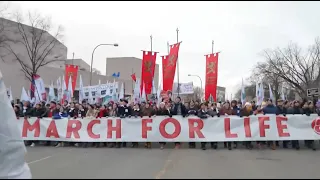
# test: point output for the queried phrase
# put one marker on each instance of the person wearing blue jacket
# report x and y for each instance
(270, 109)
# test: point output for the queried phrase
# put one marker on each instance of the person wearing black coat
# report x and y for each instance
(296, 109)
(192, 110)
(136, 112)
(38, 111)
(163, 111)
(73, 111)
(123, 111)
(178, 109)
(26, 109)
(281, 110)
(203, 114)
(308, 111)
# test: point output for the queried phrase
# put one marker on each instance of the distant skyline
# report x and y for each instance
(240, 30)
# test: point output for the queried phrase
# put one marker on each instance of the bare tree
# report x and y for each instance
(250, 91)
(261, 74)
(96, 71)
(3, 14)
(36, 41)
(196, 96)
(300, 70)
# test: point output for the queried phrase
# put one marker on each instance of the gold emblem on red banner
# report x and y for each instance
(171, 60)
(147, 66)
(211, 67)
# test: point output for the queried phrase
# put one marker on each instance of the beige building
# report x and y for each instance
(16, 79)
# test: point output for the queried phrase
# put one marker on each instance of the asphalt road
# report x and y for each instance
(82, 163)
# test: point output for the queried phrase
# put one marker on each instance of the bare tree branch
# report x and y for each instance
(291, 65)
(37, 42)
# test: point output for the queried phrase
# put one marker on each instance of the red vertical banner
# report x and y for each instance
(147, 70)
(211, 76)
(71, 70)
(169, 63)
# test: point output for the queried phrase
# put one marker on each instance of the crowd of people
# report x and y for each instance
(169, 108)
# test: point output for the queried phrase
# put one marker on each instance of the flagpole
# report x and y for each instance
(168, 46)
(178, 64)
(212, 46)
(132, 82)
(151, 43)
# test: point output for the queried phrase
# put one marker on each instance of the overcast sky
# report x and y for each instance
(241, 30)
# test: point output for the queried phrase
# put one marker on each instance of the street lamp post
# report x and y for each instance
(115, 45)
(200, 82)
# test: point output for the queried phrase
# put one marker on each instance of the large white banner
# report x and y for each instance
(177, 128)
(185, 88)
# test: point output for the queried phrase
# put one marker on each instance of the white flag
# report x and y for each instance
(136, 91)
(143, 95)
(24, 96)
(121, 94)
(243, 94)
(81, 92)
(51, 93)
(59, 89)
(70, 90)
(271, 93)
(154, 91)
(159, 94)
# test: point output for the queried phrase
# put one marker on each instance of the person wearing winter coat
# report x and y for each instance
(38, 111)
(295, 109)
(227, 110)
(148, 111)
(26, 109)
(72, 111)
(203, 114)
(17, 111)
(163, 111)
(136, 113)
(123, 111)
(247, 111)
(308, 109)
(192, 111)
(270, 109)
(178, 109)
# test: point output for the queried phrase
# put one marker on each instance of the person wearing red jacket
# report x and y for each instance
(103, 112)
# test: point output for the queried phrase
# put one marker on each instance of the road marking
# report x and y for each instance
(39, 160)
(164, 169)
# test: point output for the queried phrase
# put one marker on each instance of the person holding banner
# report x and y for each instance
(148, 111)
(163, 111)
(136, 112)
(123, 111)
(203, 114)
(192, 110)
(178, 109)
(227, 110)
(270, 109)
